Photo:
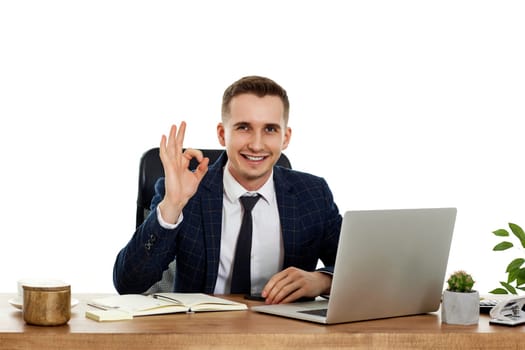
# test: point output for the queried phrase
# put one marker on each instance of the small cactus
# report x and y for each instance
(460, 282)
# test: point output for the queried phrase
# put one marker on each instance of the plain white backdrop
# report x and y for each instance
(396, 103)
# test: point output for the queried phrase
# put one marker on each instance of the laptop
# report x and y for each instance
(389, 263)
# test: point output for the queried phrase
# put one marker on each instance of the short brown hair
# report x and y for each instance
(258, 86)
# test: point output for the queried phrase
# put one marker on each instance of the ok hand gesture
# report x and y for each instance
(180, 182)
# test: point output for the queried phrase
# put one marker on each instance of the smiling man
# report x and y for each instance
(197, 216)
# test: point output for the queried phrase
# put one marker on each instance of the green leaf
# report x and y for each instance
(510, 288)
(518, 232)
(499, 291)
(501, 232)
(515, 264)
(521, 277)
(513, 275)
(503, 246)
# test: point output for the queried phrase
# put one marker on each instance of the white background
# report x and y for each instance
(396, 103)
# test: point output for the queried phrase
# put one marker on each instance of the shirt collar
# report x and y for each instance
(233, 190)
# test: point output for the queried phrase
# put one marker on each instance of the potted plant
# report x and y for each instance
(460, 304)
(515, 269)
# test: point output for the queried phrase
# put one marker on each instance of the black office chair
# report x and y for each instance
(151, 169)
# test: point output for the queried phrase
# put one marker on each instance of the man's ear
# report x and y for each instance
(287, 137)
(220, 134)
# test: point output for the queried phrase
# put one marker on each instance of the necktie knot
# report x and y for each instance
(248, 202)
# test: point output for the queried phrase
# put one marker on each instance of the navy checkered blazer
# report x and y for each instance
(310, 226)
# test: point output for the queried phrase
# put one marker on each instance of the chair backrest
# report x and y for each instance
(151, 169)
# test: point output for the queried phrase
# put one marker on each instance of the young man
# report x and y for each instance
(196, 216)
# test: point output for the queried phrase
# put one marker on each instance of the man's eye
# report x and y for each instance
(271, 129)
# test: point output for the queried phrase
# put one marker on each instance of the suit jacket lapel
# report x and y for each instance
(211, 206)
(287, 203)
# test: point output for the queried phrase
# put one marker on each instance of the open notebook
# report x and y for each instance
(389, 263)
(127, 306)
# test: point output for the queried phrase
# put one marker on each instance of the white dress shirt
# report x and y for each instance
(267, 247)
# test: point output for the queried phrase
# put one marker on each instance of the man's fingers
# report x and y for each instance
(190, 153)
(171, 139)
(180, 137)
(293, 283)
(163, 148)
(270, 285)
(175, 139)
(296, 294)
(285, 292)
(173, 144)
(274, 289)
(202, 169)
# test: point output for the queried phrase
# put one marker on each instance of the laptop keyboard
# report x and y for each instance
(315, 312)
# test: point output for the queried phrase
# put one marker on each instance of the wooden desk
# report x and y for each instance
(247, 329)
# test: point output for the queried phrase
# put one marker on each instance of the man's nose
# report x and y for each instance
(256, 142)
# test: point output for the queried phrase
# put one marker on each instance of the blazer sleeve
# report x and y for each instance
(332, 231)
(310, 220)
(141, 262)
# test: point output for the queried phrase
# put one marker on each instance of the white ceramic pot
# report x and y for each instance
(460, 308)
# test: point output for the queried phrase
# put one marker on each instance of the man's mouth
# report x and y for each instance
(253, 158)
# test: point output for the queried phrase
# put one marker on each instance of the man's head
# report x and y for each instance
(258, 86)
(254, 128)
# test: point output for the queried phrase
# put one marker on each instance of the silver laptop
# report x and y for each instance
(389, 263)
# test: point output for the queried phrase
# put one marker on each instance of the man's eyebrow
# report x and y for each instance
(241, 123)
(273, 125)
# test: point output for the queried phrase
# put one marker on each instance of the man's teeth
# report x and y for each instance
(254, 158)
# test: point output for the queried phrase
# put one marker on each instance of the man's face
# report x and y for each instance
(254, 135)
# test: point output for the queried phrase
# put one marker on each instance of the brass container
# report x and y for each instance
(47, 306)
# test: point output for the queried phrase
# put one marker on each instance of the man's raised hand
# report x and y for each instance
(180, 182)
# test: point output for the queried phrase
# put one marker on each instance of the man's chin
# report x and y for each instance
(254, 176)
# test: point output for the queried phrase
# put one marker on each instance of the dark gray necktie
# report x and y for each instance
(241, 279)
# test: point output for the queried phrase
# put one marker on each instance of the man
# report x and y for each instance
(196, 216)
